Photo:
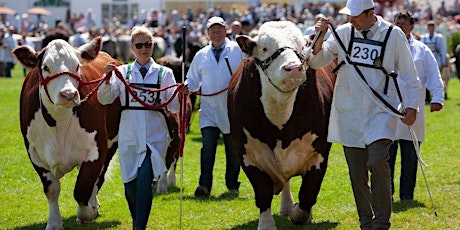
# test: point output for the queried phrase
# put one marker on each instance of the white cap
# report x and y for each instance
(356, 7)
(215, 20)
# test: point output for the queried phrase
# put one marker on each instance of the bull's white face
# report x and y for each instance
(63, 90)
(287, 71)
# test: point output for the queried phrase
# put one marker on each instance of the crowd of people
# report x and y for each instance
(168, 24)
(370, 147)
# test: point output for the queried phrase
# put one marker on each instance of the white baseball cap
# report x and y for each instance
(356, 7)
(215, 20)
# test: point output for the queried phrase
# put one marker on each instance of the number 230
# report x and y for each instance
(365, 53)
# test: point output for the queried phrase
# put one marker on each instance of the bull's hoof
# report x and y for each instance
(87, 214)
(299, 216)
(266, 221)
(80, 221)
(55, 226)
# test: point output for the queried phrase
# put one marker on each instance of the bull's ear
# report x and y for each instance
(91, 50)
(26, 56)
(246, 43)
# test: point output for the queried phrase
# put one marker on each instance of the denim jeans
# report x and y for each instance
(208, 157)
(408, 168)
(139, 193)
(8, 68)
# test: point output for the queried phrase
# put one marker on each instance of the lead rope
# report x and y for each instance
(346, 58)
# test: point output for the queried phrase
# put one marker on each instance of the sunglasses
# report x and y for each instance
(147, 45)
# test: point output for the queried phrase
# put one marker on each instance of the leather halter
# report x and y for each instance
(266, 63)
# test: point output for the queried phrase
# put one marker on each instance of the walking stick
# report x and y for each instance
(183, 111)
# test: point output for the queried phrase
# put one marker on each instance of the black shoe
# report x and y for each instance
(201, 192)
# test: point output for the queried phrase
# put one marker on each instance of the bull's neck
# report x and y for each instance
(62, 115)
(277, 106)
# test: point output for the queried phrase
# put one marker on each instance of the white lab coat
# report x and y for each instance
(428, 73)
(139, 128)
(212, 77)
(356, 118)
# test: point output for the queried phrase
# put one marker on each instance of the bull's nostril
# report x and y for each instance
(68, 96)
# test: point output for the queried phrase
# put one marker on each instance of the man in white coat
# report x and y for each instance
(366, 106)
(428, 73)
(210, 72)
(438, 45)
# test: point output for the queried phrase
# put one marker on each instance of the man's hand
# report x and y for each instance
(322, 25)
(409, 116)
(434, 107)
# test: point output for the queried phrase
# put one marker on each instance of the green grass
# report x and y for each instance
(23, 204)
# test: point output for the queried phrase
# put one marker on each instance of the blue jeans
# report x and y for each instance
(139, 193)
(408, 168)
(9, 67)
(208, 157)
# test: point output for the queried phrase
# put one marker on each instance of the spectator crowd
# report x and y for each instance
(80, 26)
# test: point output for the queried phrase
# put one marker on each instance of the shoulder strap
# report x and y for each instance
(128, 72)
(385, 41)
(160, 75)
(352, 36)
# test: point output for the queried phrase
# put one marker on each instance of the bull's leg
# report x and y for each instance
(86, 213)
(52, 188)
(162, 185)
(301, 213)
(263, 189)
(286, 200)
(172, 174)
(86, 190)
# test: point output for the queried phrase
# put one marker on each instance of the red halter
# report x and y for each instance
(44, 82)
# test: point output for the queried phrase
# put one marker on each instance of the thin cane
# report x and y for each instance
(422, 166)
(182, 108)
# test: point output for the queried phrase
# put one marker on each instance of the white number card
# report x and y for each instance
(366, 51)
(147, 97)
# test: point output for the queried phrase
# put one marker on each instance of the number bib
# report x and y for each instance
(147, 97)
(366, 52)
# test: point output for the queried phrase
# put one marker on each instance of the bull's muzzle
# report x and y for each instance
(292, 66)
(70, 95)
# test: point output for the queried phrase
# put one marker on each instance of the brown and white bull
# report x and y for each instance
(279, 114)
(60, 131)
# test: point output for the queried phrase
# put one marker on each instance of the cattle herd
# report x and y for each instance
(278, 111)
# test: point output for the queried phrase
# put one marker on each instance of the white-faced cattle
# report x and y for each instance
(60, 130)
(279, 113)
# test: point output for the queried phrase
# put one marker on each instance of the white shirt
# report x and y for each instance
(213, 77)
(358, 118)
(139, 128)
(428, 73)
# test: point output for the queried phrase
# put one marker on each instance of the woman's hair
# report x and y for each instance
(140, 30)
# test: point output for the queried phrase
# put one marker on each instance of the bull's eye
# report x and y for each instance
(77, 69)
(45, 68)
(264, 49)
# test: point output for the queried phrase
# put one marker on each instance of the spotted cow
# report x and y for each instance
(60, 130)
(279, 112)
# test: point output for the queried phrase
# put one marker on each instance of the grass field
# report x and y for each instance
(23, 204)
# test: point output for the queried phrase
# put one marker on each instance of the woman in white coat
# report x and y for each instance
(143, 133)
